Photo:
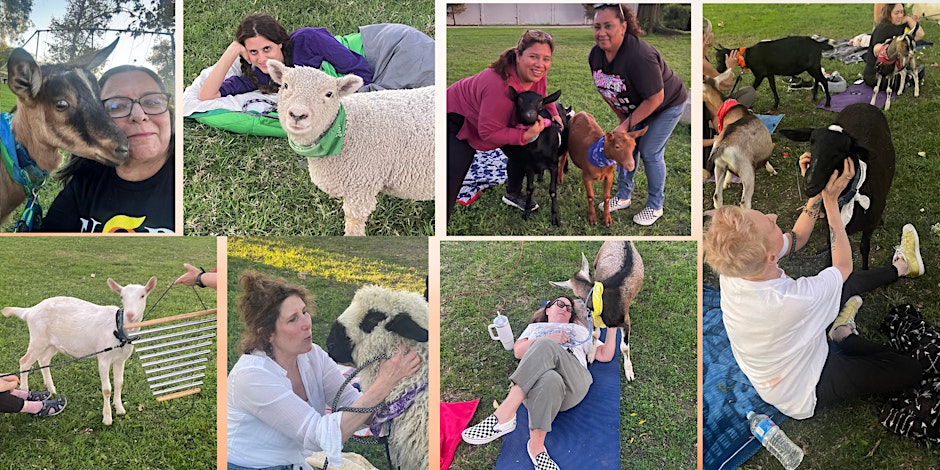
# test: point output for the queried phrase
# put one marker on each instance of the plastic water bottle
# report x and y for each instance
(501, 331)
(775, 440)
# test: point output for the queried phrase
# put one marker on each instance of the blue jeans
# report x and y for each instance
(651, 147)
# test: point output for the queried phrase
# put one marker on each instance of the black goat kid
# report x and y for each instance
(788, 56)
(860, 132)
(532, 159)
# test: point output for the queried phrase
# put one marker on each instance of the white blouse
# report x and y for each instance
(268, 424)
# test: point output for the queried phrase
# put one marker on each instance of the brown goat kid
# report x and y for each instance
(897, 59)
(583, 132)
(58, 106)
(743, 144)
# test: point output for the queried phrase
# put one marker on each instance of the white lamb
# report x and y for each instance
(387, 145)
(78, 328)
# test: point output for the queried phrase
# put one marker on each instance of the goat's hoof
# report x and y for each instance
(628, 371)
(107, 420)
(119, 410)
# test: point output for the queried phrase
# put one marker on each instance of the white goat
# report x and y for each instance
(387, 145)
(77, 328)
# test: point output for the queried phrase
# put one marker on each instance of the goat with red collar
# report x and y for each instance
(789, 56)
(896, 59)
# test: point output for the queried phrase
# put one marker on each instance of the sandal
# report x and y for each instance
(38, 396)
(51, 407)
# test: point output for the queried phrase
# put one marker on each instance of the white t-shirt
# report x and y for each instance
(268, 424)
(777, 330)
(580, 343)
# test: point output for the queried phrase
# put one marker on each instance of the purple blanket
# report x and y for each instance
(856, 93)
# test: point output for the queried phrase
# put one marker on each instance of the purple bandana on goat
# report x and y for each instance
(596, 155)
(394, 409)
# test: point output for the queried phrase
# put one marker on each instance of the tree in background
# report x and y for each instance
(14, 19)
(163, 58)
(454, 9)
(76, 32)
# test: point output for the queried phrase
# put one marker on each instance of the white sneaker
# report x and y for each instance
(615, 204)
(647, 216)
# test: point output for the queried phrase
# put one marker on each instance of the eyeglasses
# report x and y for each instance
(150, 103)
(598, 6)
(538, 35)
(561, 303)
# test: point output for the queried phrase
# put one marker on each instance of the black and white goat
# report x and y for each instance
(791, 56)
(860, 132)
(895, 61)
(532, 159)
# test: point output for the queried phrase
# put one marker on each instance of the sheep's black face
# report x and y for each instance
(829, 150)
(339, 345)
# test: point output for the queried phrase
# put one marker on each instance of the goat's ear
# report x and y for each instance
(563, 284)
(24, 75)
(513, 94)
(861, 150)
(349, 84)
(403, 325)
(276, 70)
(93, 59)
(585, 267)
(799, 135)
(551, 98)
(638, 133)
(151, 284)
(114, 286)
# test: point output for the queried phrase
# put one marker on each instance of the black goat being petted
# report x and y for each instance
(860, 132)
(532, 159)
(789, 56)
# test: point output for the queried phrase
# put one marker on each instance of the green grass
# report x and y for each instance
(848, 436)
(331, 269)
(246, 185)
(470, 50)
(180, 433)
(657, 409)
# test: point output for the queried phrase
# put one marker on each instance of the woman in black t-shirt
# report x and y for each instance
(893, 22)
(643, 91)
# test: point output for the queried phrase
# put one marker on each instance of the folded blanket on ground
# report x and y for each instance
(915, 413)
(727, 394)
(454, 419)
(488, 169)
(586, 436)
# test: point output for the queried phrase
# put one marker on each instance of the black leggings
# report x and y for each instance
(857, 367)
(459, 157)
(10, 403)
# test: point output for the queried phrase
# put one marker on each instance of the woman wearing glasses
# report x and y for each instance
(480, 111)
(138, 195)
(553, 369)
(643, 91)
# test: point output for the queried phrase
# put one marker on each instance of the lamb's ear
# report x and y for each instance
(551, 98)
(404, 326)
(799, 135)
(114, 286)
(151, 284)
(276, 70)
(348, 84)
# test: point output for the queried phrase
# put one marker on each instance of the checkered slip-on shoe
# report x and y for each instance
(909, 249)
(487, 430)
(647, 216)
(38, 396)
(542, 461)
(616, 203)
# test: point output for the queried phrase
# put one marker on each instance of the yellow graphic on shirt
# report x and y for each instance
(122, 223)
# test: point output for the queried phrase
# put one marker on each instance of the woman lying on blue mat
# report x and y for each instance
(552, 376)
(777, 325)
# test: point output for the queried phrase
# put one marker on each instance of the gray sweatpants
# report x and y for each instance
(553, 380)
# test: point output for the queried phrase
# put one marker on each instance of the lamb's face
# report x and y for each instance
(376, 322)
(309, 99)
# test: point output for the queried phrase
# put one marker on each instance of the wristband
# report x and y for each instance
(199, 278)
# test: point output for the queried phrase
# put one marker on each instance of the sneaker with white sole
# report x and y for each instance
(615, 204)
(543, 461)
(648, 216)
(487, 430)
(909, 250)
(847, 315)
(517, 200)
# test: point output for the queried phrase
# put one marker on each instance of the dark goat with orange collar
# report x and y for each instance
(788, 56)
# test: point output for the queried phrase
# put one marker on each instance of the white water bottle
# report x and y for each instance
(775, 440)
(500, 330)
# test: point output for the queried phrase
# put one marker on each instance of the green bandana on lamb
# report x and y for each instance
(330, 143)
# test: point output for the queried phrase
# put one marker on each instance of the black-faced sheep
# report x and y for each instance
(376, 322)
(860, 132)
(387, 145)
(78, 328)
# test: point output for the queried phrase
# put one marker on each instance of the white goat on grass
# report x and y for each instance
(387, 146)
(78, 328)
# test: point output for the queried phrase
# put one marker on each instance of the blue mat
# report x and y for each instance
(727, 394)
(586, 436)
(771, 121)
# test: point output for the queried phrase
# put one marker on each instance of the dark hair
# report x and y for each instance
(885, 16)
(507, 59)
(262, 24)
(260, 307)
(624, 14)
(541, 317)
(74, 165)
